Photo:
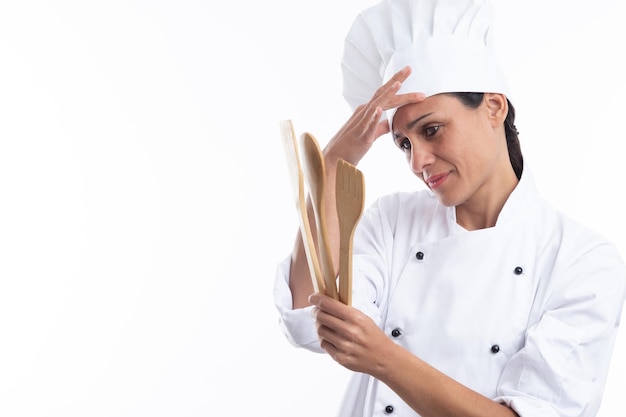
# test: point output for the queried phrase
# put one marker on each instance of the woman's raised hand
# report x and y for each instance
(358, 134)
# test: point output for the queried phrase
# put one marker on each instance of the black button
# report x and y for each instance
(495, 349)
(419, 255)
(396, 332)
(389, 409)
(518, 270)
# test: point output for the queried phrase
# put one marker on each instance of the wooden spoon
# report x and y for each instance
(350, 192)
(297, 184)
(315, 174)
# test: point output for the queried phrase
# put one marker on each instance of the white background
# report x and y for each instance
(144, 200)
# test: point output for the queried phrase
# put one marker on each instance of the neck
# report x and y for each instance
(483, 209)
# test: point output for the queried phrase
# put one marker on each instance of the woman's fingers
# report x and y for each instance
(329, 305)
(334, 317)
(399, 100)
(331, 331)
(393, 85)
(387, 95)
(382, 128)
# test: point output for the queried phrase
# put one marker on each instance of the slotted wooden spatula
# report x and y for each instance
(350, 193)
(297, 184)
(315, 175)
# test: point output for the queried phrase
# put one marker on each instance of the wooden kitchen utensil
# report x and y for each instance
(315, 175)
(297, 184)
(350, 193)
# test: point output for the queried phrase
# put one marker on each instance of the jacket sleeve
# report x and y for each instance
(371, 246)
(562, 369)
(297, 325)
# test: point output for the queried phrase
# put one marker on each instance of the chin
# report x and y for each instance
(448, 200)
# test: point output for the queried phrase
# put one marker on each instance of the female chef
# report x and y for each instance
(472, 297)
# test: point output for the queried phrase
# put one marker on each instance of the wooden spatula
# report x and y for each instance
(315, 175)
(350, 193)
(297, 184)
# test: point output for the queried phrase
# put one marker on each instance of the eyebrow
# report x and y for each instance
(412, 123)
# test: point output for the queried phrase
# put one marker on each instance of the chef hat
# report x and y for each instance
(447, 43)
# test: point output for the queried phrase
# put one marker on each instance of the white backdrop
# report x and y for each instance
(144, 200)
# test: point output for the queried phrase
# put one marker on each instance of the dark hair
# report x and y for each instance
(473, 100)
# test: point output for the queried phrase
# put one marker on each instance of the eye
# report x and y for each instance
(404, 144)
(431, 130)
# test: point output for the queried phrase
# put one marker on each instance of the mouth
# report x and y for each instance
(435, 181)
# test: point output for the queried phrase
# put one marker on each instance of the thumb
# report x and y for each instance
(382, 127)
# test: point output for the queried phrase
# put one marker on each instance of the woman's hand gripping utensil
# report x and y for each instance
(297, 184)
(315, 170)
(350, 192)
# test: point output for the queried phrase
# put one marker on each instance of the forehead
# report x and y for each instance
(438, 104)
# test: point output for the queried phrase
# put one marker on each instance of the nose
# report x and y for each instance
(421, 157)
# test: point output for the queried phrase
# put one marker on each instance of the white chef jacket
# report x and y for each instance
(525, 312)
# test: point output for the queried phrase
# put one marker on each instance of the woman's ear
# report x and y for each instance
(497, 108)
